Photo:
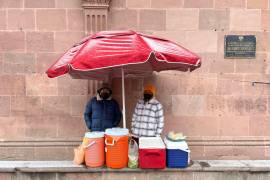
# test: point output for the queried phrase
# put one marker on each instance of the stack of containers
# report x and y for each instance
(178, 153)
(116, 140)
(94, 149)
(152, 153)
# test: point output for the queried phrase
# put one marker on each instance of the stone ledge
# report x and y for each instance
(197, 166)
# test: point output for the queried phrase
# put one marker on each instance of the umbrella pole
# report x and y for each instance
(123, 98)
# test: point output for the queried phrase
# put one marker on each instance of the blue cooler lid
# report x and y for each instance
(117, 132)
(94, 134)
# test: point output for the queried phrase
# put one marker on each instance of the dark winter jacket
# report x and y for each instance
(102, 114)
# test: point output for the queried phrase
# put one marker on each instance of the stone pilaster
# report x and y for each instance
(95, 15)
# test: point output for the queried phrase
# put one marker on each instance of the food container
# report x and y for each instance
(152, 153)
(94, 149)
(116, 140)
(178, 154)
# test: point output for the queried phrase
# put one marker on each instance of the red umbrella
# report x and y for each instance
(110, 54)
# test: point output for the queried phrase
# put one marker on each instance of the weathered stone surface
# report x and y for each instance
(18, 63)
(53, 153)
(82, 176)
(26, 106)
(45, 60)
(247, 105)
(68, 3)
(122, 19)
(167, 4)
(138, 3)
(257, 65)
(177, 36)
(69, 86)
(208, 59)
(216, 105)
(62, 43)
(256, 89)
(118, 4)
(259, 125)
(7, 40)
(184, 105)
(40, 84)
(230, 84)
(51, 20)
(201, 41)
(78, 104)
(257, 4)
(56, 105)
(152, 20)
(165, 84)
(39, 4)
(41, 127)
(230, 3)
(265, 18)
(11, 3)
(221, 65)
(12, 85)
(193, 125)
(245, 20)
(201, 85)
(197, 152)
(21, 19)
(5, 106)
(66, 126)
(255, 152)
(234, 126)
(214, 19)
(198, 3)
(3, 20)
(186, 19)
(262, 39)
(39, 41)
(75, 18)
(14, 128)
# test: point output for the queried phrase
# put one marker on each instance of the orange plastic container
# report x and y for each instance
(94, 149)
(116, 140)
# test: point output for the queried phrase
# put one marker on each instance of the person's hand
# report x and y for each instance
(133, 135)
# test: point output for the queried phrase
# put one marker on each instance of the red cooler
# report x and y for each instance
(152, 153)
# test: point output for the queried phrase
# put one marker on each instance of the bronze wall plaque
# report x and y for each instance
(240, 47)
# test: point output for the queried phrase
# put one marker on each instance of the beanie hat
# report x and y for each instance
(150, 88)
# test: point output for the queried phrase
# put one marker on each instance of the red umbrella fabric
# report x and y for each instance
(102, 55)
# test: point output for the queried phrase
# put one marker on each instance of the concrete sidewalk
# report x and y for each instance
(199, 165)
(204, 169)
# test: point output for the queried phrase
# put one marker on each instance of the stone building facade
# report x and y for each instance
(223, 114)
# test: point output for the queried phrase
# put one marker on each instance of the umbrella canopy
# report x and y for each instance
(102, 55)
(110, 54)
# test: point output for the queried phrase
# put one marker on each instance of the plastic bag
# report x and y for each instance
(79, 155)
(133, 154)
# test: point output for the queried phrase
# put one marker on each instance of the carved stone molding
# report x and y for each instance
(95, 15)
(95, 4)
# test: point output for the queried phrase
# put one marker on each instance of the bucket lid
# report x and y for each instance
(182, 145)
(117, 132)
(151, 143)
(94, 134)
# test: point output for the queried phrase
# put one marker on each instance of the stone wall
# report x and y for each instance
(216, 106)
(36, 109)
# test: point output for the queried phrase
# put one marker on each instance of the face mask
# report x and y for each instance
(147, 97)
(104, 95)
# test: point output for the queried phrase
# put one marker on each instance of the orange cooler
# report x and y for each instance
(94, 149)
(116, 140)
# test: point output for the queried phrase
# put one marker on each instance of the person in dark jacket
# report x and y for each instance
(102, 111)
